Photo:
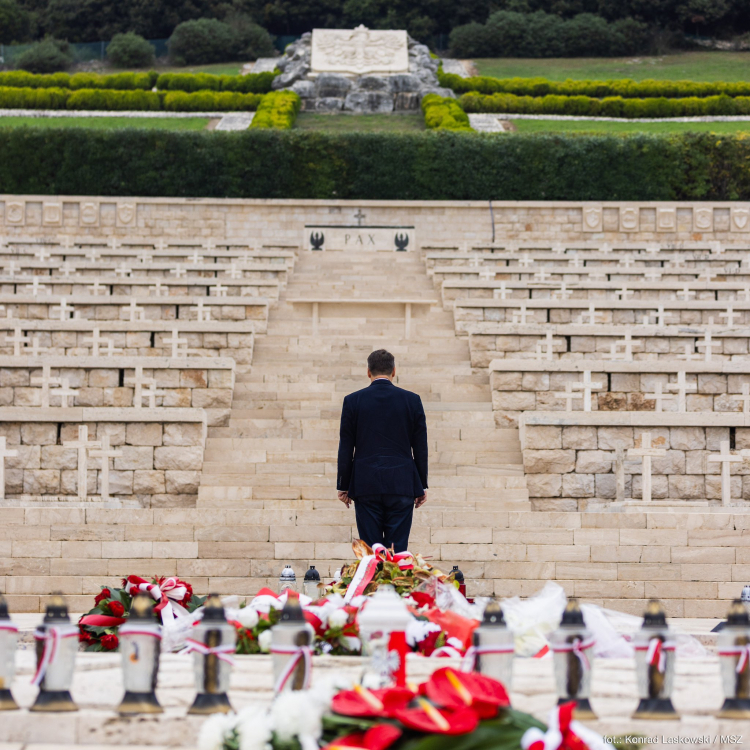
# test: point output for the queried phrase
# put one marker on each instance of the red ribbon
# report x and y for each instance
(101, 621)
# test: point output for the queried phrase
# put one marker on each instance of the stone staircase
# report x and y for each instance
(278, 452)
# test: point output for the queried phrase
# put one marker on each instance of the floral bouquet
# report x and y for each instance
(99, 627)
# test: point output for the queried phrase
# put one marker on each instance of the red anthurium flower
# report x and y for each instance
(423, 599)
(102, 595)
(362, 702)
(379, 737)
(427, 718)
(110, 642)
(452, 689)
(116, 609)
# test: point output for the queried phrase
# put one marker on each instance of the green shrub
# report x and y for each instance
(117, 81)
(210, 101)
(106, 99)
(444, 113)
(205, 40)
(130, 51)
(278, 110)
(28, 98)
(252, 83)
(442, 165)
(48, 56)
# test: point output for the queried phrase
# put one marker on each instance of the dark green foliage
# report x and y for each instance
(279, 109)
(118, 81)
(444, 113)
(511, 34)
(252, 83)
(130, 51)
(625, 88)
(107, 99)
(210, 101)
(15, 22)
(612, 106)
(48, 56)
(260, 163)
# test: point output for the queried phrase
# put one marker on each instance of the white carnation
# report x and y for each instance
(298, 713)
(264, 641)
(338, 618)
(248, 617)
(214, 730)
(254, 728)
(418, 630)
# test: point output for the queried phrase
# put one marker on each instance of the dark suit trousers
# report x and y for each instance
(385, 519)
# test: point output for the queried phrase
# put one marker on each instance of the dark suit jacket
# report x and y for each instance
(383, 442)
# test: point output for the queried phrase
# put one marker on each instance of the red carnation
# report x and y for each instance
(110, 642)
(116, 609)
(85, 637)
(102, 595)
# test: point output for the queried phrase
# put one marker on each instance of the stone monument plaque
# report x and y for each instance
(359, 51)
(357, 237)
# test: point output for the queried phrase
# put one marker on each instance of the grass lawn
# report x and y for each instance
(588, 126)
(693, 66)
(108, 123)
(219, 69)
(377, 123)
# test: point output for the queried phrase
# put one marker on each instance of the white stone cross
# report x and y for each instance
(218, 290)
(726, 459)
(526, 260)
(111, 349)
(209, 245)
(689, 354)
(114, 244)
(35, 287)
(17, 339)
(145, 256)
(67, 243)
(195, 257)
(586, 387)
(744, 397)
(563, 292)
(96, 341)
(597, 276)
(138, 382)
(178, 271)
(707, 275)
(716, 247)
(541, 275)
(4, 453)
(123, 270)
(653, 275)
(605, 248)
(627, 343)
(592, 315)
(560, 249)
(233, 271)
(658, 396)
(67, 269)
(568, 395)
(158, 289)
(150, 392)
(65, 392)
(627, 261)
(160, 245)
(63, 310)
(730, 315)
(82, 445)
(202, 312)
(501, 292)
(661, 317)
(677, 261)
(104, 453)
(681, 387)
(96, 287)
(744, 294)
(134, 312)
(475, 261)
(46, 381)
(575, 262)
(93, 254)
(486, 273)
(520, 315)
(42, 254)
(545, 347)
(176, 343)
(685, 293)
(652, 248)
(35, 348)
(708, 344)
(646, 453)
(12, 268)
(624, 292)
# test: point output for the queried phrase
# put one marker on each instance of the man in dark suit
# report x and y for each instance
(382, 463)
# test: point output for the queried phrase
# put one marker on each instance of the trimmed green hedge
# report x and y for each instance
(261, 163)
(252, 83)
(117, 81)
(210, 101)
(444, 113)
(277, 110)
(610, 106)
(625, 87)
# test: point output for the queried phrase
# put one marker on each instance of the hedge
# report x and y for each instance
(444, 113)
(625, 88)
(277, 110)
(118, 81)
(259, 163)
(611, 106)
(252, 83)
(210, 101)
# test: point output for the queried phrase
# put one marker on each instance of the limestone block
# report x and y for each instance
(166, 378)
(606, 486)
(672, 463)
(69, 482)
(101, 378)
(212, 398)
(183, 434)
(506, 381)
(579, 437)
(699, 402)
(178, 397)
(544, 485)
(141, 457)
(610, 437)
(724, 402)
(578, 485)
(182, 482)
(594, 462)
(148, 482)
(659, 487)
(712, 383)
(13, 481)
(535, 381)
(120, 483)
(6, 397)
(543, 437)
(714, 437)
(219, 378)
(207, 341)
(90, 397)
(742, 438)
(29, 457)
(513, 401)
(33, 433)
(625, 382)
(16, 376)
(745, 488)
(143, 433)
(179, 458)
(193, 378)
(687, 486)
(617, 402)
(507, 344)
(586, 344)
(332, 85)
(41, 482)
(115, 430)
(76, 377)
(58, 457)
(713, 488)
(734, 346)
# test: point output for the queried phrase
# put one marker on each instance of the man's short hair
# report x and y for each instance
(381, 362)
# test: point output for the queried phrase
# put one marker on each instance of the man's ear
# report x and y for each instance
(393, 374)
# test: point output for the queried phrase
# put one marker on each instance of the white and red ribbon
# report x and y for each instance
(365, 572)
(562, 731)
(579, 648)
(170, 592)
(136, 630)
(52, 636)
(470, 660)
(8, 627)
(743, 652)
(297, 653)
(656, 652)
(404, 560)
(220, 652)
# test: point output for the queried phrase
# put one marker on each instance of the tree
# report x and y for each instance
(130, 51)
(48, 56)
(15, 22)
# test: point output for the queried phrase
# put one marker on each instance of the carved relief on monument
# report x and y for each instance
(592, 219)
(52, 214)
(126, 214)
(666, 219)
(359, 51)
(89, 214)
(703, 219)
(740, 220)
(15, 213)
(629, 219)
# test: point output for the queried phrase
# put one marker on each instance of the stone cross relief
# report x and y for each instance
(82, 445)
(646, 453)
(681, 387)
(105, 452)
(726, 459)
(501, 292)
(4, 453)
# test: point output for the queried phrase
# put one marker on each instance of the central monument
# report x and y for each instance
(358, 70)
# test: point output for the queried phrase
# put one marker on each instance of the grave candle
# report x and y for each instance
(291, 648)
(733, 646)
(8, 640)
